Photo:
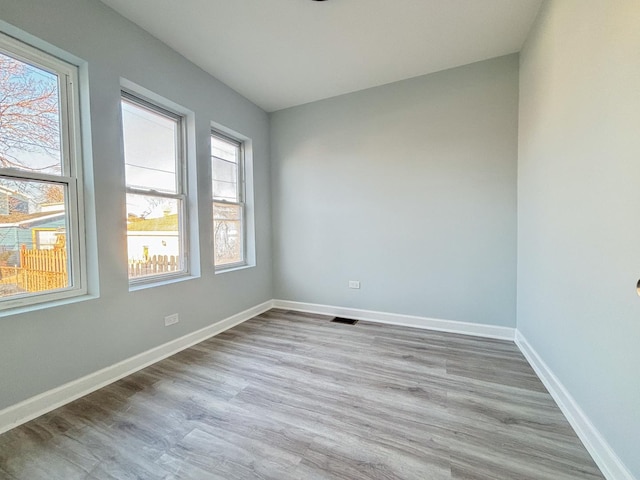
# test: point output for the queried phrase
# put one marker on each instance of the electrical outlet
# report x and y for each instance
(171, 319)
(354, 284)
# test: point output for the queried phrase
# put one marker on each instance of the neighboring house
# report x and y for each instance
(12, 201)
(153, 236)
(24, 222)
(39, 230)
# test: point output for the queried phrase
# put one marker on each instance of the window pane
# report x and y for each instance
(225, 178)
(228, 234)
(34, 252)
(224, 149)
(153, 235)
(150, 148)
(225, 191)
(30, 111)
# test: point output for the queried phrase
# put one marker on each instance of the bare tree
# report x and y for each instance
(53, 194)
(29, 115)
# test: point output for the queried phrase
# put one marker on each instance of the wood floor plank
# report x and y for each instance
(290, 395)
(348, 455)
(232, 455)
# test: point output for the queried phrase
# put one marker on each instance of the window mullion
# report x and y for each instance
(38, 176)
(73, 223)
(154, 193)
(226, 202)
(66, 134)
(241, 179)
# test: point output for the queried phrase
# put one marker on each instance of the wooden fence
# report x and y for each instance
(154, 265)
(42, 270)
(39, 270)
(10, 276)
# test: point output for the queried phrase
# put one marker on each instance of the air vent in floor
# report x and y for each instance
(346, 321)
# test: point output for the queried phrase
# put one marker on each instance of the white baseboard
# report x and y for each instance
(601, 452)
(45, 402)
(451, 326)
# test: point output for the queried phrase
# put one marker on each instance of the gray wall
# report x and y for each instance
(409, 188)
(578, 197)
(45, 348)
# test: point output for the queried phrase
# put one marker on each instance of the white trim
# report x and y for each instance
(451, 326)
(45, 402)
(70, 175)
(248, 198)
(601, 452)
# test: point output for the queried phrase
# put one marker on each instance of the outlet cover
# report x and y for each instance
(171, 319)
(354, 284)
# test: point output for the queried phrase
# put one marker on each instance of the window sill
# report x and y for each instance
(47, 304)
(233, 268)
(134, 287)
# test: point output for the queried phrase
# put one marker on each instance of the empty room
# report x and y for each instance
(319, 239)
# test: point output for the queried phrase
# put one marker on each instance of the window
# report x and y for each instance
(41, 212)
(228, 187)
(155, 171)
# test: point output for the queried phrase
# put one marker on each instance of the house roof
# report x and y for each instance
(19, 218)
(14, 193)
(167, 223)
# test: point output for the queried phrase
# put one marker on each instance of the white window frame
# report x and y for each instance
(181, 188)
(242, 203)
(71, 175)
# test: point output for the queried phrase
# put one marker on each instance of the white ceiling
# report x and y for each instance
(281, 53)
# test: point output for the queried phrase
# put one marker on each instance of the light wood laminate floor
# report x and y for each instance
(293, 396)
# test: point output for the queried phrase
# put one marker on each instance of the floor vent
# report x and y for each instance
(346, 321)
